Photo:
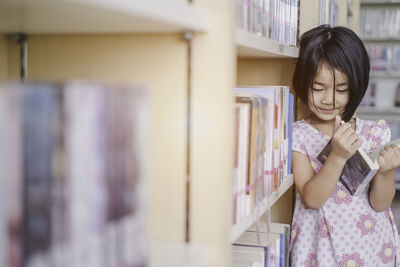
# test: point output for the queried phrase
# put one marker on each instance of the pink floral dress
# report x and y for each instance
(345, 231)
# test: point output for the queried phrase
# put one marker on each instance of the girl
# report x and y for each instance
(330, 226)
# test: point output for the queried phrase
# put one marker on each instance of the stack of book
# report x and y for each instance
(262, 245)
(273, 19)
(263, 120)
(73, 175)
(380, 22)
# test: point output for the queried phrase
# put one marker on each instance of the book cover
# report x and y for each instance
(290, 124)
(242, 161)
(359, 169)
(40, 112)
(269, 93)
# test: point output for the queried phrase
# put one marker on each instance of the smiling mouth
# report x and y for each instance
(327, 110)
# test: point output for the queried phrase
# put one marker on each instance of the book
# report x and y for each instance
(359, 168)
(73, 170)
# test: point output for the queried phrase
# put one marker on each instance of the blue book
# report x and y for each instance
(40, 108)
(290, 128)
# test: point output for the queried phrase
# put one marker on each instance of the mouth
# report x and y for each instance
(326, 110)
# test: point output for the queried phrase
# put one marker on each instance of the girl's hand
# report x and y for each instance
(389, 159)
(345, 141)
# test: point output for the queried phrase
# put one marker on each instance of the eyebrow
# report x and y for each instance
(337, 85)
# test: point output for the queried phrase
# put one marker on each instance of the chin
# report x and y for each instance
(327, 117)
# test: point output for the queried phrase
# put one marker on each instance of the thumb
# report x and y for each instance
(338, 119)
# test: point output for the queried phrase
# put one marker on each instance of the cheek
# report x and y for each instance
(343, 100)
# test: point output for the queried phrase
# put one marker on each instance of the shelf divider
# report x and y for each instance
(239, 228)
(99, 16)
(251, 45)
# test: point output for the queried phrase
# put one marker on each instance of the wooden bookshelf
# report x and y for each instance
(100, 16)
(384, 75)
(177, 254)
(383, 39)
(372, 110)
(251, 45)
(387, 3)
(286, 184)
(265, 204)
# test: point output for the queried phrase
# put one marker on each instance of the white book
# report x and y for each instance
(359, 169)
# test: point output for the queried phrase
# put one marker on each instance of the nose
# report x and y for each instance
(328, 97)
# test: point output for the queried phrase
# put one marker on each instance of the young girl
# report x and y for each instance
(330, 226)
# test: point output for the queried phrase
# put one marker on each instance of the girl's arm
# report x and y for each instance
(382, 186)
(315, 189)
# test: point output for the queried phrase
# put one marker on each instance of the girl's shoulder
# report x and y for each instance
(374, 133)
(371, 127)
(300, 125)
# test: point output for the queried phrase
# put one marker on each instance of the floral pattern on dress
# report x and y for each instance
(387, 252)
(382, 124)
(341, 195)
(366, 224)
(346, 230)
(311, 260)
(351, 260)
(376, 142)
(324, 228)
(389, 215)
(294, 232)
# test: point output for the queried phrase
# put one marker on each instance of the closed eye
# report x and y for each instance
(342, 91)
(317, 89)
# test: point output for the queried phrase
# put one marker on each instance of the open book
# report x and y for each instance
(359, 169)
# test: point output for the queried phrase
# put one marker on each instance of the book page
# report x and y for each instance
(356, 173)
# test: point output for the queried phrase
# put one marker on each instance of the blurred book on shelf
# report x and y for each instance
(381, 93)
(73, 174)
(272, 19)
(380, 21)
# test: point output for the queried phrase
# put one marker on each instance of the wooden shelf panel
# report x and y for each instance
(287, 183)
(386, 39)
(384, 75)
(177, 254)
(375, 111)
(251, 45)
(99, 16)
(387, 3)
(239, 228)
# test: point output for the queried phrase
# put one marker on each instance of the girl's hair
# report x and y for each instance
(339, 48)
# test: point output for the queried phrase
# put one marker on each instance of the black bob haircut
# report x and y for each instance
(339, 48)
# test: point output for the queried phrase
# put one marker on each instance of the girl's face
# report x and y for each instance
(320, 99)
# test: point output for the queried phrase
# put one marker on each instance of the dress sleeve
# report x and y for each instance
(380, 134)
(298, 139)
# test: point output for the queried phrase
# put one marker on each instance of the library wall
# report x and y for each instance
(214, 63)
(133, 59)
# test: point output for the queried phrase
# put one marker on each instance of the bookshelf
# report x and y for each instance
(380, 33)
(142, 42)
(92, 16)
(261, 208)
(251, 45)
(177, 254)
